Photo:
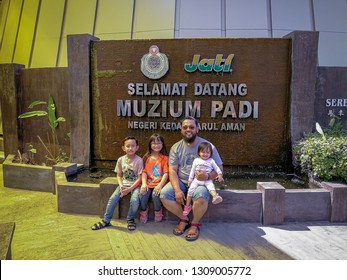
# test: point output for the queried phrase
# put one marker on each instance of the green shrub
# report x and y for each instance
(323, 154)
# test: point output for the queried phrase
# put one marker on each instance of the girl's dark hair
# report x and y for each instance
(203, 146)
(155, 137)
(130, 138)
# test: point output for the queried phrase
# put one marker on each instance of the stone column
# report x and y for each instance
(273, 202)
(78, 47)
(304, 59)
(338, 194)
(9, 101)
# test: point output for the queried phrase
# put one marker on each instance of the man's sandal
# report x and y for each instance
(131, 225)
(193, 234)
(101, 225)
(178, 230)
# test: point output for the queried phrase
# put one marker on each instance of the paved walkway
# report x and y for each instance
(42, 233)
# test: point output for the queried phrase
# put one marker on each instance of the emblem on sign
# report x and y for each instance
(154, 65)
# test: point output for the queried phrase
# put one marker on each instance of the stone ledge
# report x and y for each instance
(270, 203)
(273, 202)
(6, 234)
(338, 201)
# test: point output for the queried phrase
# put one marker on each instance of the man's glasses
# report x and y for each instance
(185, 127)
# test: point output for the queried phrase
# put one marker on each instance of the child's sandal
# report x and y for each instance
(131, 225)
(187, 209)
(101, 225)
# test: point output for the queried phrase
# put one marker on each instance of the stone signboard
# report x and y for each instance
(238, 89)
(331, 96)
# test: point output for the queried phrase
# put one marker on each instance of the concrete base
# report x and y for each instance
(307, 205)
(273, 202)
(34, 177)
(28, 177)
(270, 204)
(77, 198)
(6, 234)
(338, 201)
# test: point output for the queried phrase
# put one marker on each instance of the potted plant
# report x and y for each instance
(21, 171)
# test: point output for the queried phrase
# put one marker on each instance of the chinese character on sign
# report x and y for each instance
(331, 113)
(340, 113)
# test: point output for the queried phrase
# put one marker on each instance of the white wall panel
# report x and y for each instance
(291, 15)
(200, 15)
(26, 32)
(332, 49)
(79, 19)
(119, 19)
(154, 19)
(331, 22)
(9, 37)
(193, 33)
(114, 19)
(246, 15)
(48, 33)
(330, 15)
(3, 18)
(247, 33)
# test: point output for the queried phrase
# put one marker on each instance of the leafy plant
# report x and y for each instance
(323, 154)
(54, 152)
(27, 157)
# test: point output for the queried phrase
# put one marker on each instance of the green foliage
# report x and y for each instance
(55, 154)
(53, 121)
(323, 154)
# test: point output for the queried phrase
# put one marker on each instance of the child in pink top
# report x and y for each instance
(155, 175)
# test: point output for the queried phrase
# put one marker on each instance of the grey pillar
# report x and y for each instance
(78, 47)
(304, 59)
(273, 202)
(9, 98)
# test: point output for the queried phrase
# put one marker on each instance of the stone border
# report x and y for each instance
(33, 177)
(6, 235)
(269, 204)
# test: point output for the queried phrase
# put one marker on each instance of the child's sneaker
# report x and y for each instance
(144, 216)
(158, 216)
(187, 209)
(217, 199)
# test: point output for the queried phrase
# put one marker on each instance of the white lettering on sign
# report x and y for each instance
(166, 107)
(176, 126)
(165, 89)
(336, 102)
(246, 109)
(158, 108)
(220, 89)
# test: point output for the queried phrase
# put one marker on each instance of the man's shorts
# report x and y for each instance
(168, 192)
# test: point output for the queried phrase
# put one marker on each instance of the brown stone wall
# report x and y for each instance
(263, 65)
(39, 84)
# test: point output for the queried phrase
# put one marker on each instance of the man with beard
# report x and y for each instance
(182, 155)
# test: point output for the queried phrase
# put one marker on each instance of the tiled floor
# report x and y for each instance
(42, 233)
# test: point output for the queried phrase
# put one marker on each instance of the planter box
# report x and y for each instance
(31, 177)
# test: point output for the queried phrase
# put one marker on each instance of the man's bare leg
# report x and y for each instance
(176, 209)
(199, 209)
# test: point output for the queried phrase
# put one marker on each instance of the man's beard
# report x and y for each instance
(189, 140)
